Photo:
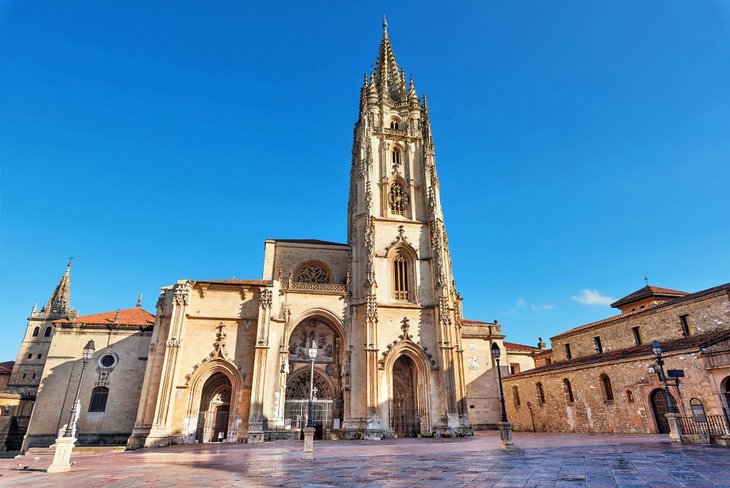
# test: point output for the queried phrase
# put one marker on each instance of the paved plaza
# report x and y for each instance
(542, 460)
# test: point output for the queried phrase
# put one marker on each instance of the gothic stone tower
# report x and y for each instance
(404, 312)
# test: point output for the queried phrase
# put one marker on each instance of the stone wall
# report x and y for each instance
(591, 411)
(55, 397)
(704, 314)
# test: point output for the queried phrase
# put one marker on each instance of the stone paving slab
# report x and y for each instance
(542, 460)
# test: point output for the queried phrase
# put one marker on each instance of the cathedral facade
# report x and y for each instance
(373, 327)
(230, 360)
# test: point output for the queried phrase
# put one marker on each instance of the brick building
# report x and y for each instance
(596, 378)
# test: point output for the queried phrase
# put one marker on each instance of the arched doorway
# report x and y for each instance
(406, 419)
(328, 402)
(215, 406)
(659, 406)
(725, 389)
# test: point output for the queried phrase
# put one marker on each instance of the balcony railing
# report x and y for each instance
(716, 423)
(315, 287)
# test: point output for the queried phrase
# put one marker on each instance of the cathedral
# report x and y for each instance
(374, 325)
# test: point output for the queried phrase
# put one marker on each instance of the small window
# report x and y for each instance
(597, 344)
(514, 368)
(36, 331)
(540, 394)
(393, 124)
(606, 387)
(548, 361)
(397, 199)
(637, 335)
(400, 276)
(629, 396)
(685, 325)
(107, 361)
(30, 356)
(33, 376)
(39, 356)
(48, 332)
(98, 399)
(25, 375)
(568, 391)
(568, 354)
(516, 396)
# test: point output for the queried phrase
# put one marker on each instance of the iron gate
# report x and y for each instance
(295, 411)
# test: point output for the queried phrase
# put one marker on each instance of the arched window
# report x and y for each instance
(396, 157)
(568, 391)
(47, 333)
(606, 387)
(393, 124)
(400, 276)
(629, 396)
(516, 395)
(397, 199)
(540, 394)
(36, 331)
(312, 273)
(98, 399)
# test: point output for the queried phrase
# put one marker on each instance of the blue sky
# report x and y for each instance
(579, 145)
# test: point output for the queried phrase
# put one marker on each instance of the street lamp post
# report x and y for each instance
(308, 453)
(675, 432)
(657, 349)
(65, 441)
(312, 357)
(505, 427)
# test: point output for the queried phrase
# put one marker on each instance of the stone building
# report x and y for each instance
(229, 358)
(599, 378)
(41, 387)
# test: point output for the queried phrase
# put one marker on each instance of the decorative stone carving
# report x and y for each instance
(371, 308)
(473, 364)
(313, 273)
(265, 300)
(401, 238)
(405, 337)
(182, 294)
(174, 342)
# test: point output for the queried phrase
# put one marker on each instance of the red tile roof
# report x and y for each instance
(692, 343)
(311, 241)
(512, 346)
(130, 316)
(6, 367)
(235, 281)
(646, 292)
(669, 303)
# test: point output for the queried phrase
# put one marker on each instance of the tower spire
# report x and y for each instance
(60, 301)
(388, 76)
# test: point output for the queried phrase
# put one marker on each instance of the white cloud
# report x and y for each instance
(592, 297)
(522, 303)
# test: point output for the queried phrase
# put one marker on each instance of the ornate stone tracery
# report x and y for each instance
(398, 198)
(313, 272)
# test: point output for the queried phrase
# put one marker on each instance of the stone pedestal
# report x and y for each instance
(62, 455)
(505, 436)
(308, 453)
(675, 427)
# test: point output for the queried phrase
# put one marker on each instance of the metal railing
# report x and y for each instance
(717, 425)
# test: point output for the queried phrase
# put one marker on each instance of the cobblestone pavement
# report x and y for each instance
(542, 460)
